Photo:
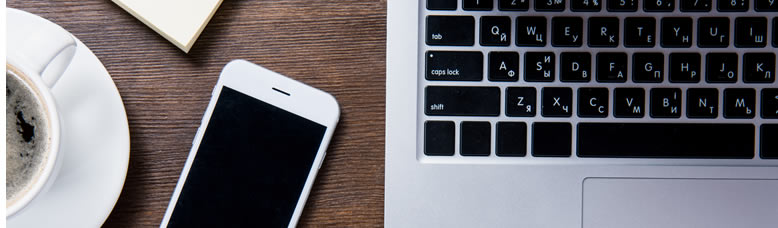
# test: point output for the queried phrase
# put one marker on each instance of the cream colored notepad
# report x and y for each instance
(179, 21)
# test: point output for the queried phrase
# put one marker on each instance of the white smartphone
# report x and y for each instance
(256, 154)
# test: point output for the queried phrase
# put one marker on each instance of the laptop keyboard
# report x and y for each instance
(599, 78)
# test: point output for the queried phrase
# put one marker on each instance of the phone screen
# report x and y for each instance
(250, 168)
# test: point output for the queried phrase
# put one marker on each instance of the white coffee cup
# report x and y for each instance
(38, 52)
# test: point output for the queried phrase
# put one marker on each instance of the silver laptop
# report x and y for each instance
(582, 113)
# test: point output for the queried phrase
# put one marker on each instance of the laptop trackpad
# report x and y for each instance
(624, 202)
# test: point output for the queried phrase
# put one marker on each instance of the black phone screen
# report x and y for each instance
(250, 168)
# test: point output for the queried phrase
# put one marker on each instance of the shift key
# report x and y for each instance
(461, 101)
(455, 66)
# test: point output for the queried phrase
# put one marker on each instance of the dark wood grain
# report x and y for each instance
(335, 45)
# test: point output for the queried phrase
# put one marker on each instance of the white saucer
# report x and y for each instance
(95, 146)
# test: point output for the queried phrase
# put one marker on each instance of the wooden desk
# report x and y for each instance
(335, 45)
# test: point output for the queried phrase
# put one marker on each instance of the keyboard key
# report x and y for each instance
(549, 5)
(750, 32)
(593, 102)
(477, 4)
(611, 67)
(476, 138)
(575, 67)
(567, 31)
(551, 139)
(495, 31)
(441, 4)
(659, 5)
(513, 5)
(676, 32)
(721, 67)
(539, 67)
(702, 103)
(530, 31)
(603, 32)
(766, 5)
(775, 31)
(769, 147)
(557, 102)
(759, 67)
(439, 138)
(739, 103)
(503, 66)
(666, 103)
(622, 5)
(520, 101)
(639, 32)
(733, 5)
(454, 66)
(628, 102)
(586, 5)
(685, 67)
(770, 104)
(450, 30)
(461, 101)
(653, 140)
(713, 32)
(648, 67)
(695, 5)
(511, 139)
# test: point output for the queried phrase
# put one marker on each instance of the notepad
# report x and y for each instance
(179, 21)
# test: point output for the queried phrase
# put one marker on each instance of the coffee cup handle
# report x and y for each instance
(44, 47)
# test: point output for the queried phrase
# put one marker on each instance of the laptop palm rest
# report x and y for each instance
(625, 202)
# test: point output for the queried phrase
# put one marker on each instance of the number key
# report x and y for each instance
(513, 5)
(586, 5)
(622, 5)
(695, 5)
(659, 5)
(733, 5)
(766, 5)
(549, 5)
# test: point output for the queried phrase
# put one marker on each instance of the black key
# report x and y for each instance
(476, 138)
(520, 101)
(603, 32)
(766, 5)
(775, 31)
(713, 32)
(769, 147)
(551, 139)
(770, 104)
(611, 67)
(695, 5)
(622, 5)
(676, 32)
(685, 67)
(750, 32)
(721, 67)
(455, 66)
(648, 67)
(586, 5)
(450, 30)
(461, 101)
(659, 5)
(511, 139)
(477, 4)
(593, 102)
(666, 103)
(575, 67)
(503, 66)
(702, 103)
(531, 31)
(539, 67)
(739, 103)
(549, 5)
(628, 102)
(439, 138)
(733, 5)
(653, 140)
(759, 67)
(495, 31)
(557, 102)
(513, 5)
(567, 31)
(441, 4)
(639, 32)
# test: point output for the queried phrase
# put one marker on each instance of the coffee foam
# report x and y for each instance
(26, 154)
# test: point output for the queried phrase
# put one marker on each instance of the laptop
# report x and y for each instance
(581, 113)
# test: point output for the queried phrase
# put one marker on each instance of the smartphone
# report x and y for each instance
(256, 154)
